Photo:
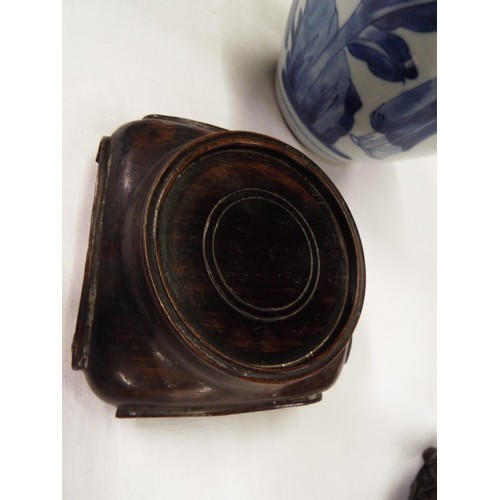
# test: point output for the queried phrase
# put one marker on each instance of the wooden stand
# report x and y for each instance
(224, 273)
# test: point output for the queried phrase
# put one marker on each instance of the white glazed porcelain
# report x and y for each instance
(356, 79)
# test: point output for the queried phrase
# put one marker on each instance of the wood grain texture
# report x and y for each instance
(224, 273)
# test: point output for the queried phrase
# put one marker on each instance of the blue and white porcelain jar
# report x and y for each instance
(357, 79)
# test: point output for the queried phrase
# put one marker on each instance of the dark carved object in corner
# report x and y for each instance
(424, 487)
(224, 273)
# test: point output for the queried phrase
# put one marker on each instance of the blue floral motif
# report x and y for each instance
(316, 58)
(402, 122)
(328, 110)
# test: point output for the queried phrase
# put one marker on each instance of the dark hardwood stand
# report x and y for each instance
(224, 273)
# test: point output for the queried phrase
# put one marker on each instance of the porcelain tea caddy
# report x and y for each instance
(224, 273)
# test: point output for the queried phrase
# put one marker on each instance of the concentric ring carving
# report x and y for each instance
(231, 296)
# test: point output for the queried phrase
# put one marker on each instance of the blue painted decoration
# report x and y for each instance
(317, 79)
(402, 122)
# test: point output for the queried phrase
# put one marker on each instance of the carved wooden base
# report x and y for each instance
(224, 273)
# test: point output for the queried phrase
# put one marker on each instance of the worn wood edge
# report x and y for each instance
(185, 121)
(137, 411)
(83, 333)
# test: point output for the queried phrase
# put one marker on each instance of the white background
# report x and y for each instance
(214, 61)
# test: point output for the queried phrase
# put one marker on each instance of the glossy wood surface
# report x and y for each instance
(224, 273)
